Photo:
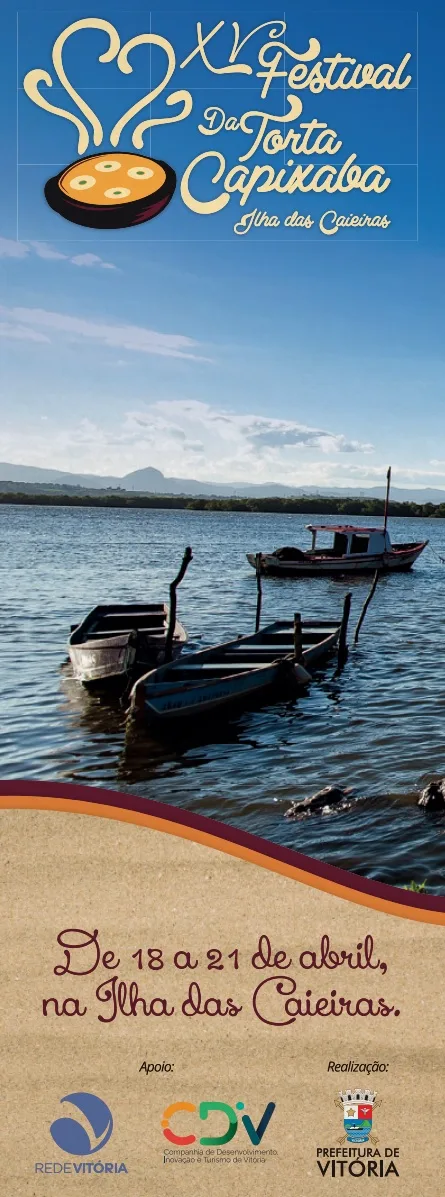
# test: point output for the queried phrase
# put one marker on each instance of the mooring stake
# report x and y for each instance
(298, 639)
(343, 637)
(366, 605)
(259, 591)
(188, 555)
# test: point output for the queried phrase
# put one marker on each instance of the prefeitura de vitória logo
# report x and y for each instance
(358, 1151)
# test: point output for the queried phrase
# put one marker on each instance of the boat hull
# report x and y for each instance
(253, 670)
(103, 666)
(395, 561)
(209, 699)
(107, 656)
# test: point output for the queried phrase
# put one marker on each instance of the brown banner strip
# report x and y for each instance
(224, 838)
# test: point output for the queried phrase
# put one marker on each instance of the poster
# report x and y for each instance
(222, 787)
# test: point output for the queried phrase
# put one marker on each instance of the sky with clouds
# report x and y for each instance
(225, 359)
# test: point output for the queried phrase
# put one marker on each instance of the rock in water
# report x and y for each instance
(433, 796)
(330, 796)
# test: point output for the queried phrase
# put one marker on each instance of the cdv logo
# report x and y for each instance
(205, 1108)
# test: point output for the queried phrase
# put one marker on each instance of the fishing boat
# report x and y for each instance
(257, 667)
(115, 644)
(351, 550)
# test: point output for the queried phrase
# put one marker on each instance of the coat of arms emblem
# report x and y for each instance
(358, 1106)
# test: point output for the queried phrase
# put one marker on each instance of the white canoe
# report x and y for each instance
(116, 643)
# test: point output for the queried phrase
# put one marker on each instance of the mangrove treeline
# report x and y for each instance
(300, 505)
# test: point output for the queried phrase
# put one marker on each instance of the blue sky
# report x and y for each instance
(271, 356)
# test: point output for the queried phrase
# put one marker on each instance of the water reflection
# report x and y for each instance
(377, 725)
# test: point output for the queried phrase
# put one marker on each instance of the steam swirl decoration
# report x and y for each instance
(139, 187)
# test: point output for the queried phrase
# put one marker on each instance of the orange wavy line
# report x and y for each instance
(120, 814)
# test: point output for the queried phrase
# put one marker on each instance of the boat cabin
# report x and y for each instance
(349, 541)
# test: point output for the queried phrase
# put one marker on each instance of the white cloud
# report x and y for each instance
(91, 260)
(186, 438)
(46, 252)
(116, 336)
(23, 249)
(12, 249)
(19, 332)
(229, 444)
(377, 473)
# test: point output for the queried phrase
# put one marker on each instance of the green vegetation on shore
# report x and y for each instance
(300, 505)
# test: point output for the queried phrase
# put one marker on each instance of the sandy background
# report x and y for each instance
(143, 888)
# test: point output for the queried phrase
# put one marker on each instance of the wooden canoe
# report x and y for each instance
(256, 667)
(115, 644)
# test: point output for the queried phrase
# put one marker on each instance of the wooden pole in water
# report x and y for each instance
(172, 616)
(343, 638)
(259, 591)
(366, 605)
(388, 488)
(298, 639)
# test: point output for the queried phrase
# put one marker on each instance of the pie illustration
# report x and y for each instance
(111, 191)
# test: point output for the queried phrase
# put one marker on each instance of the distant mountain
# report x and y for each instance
(21, 473)
(152, 481)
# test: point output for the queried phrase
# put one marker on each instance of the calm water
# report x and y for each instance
(379, 727)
